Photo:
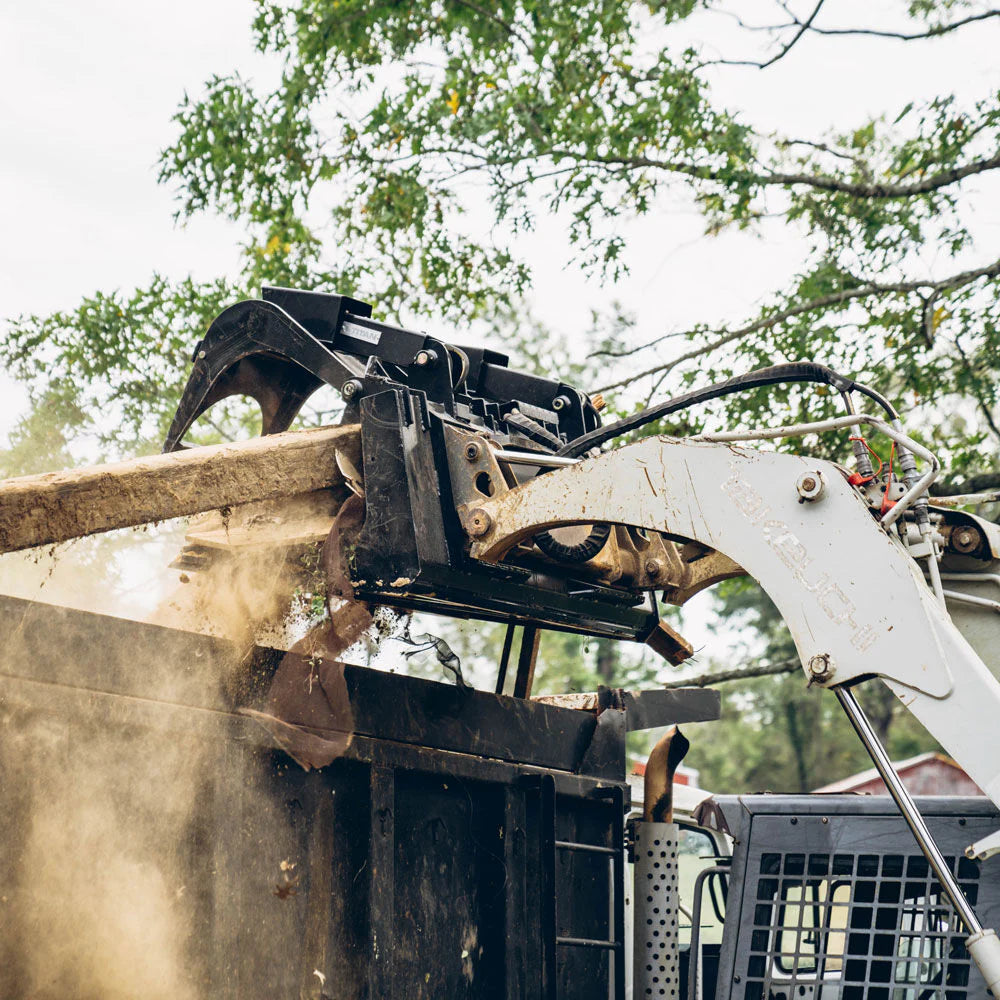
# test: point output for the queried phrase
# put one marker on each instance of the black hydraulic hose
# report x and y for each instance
(795, 371)
(579, 552)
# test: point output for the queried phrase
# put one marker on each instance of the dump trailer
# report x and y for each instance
(193, 810)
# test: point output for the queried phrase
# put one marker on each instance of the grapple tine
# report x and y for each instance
(256, 349)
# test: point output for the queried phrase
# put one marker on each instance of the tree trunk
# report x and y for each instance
(607, 661)
(798, 745)
(879, 704)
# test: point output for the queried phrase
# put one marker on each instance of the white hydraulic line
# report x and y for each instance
(852, 421)
(534, 458)
(982, 602)
(837, 423)
(789, 430)
(972, 577)
(933, 569)
(966, 499)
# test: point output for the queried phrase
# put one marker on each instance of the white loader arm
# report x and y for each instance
(855, 601)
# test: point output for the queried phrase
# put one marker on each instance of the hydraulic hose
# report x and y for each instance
(795, 371)
(579, 552)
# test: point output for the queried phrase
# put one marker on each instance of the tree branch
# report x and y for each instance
(974, 484)
(865, 291)
(803, 27)
(823, 147)
(821, 182)
(874, 190)
(747, 673)
(796, 22)
(980, 402)
(489, 15)
(934, 32)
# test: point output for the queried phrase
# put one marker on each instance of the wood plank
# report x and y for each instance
(56, 506)
(649, 709)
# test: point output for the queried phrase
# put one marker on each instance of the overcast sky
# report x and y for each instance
(87, 91)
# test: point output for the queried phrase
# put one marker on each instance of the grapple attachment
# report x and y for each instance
(437, 421)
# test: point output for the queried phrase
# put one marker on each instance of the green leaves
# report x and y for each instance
(117, 363)
(387, 106)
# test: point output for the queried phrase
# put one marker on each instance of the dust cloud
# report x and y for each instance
(95, 909)
(147, 829)
(109, 851)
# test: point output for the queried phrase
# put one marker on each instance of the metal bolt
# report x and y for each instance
(472, 451)
(202, 355)
(965, 539)
(560, 403)
(821, 667)
(653, 567)
(809, 486)
(479, 523)
(425, 359)
(352, 387)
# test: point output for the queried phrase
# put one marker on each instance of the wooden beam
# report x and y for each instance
(57, 506)
(649, 709)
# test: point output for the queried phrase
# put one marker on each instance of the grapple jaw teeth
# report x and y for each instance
(257, 349)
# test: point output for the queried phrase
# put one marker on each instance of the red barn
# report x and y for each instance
(925, 774)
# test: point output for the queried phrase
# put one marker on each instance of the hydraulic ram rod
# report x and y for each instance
(983, 944)
(57, 506)
(908, 808)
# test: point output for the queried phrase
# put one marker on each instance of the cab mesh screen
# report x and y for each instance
(859, 927)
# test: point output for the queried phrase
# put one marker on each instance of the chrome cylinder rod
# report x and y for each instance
(908, 808)
(535, 458)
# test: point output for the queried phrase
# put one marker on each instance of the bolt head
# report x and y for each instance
(821, 667)
(653, 567)
(472, 451)
(479, 523)
(965, 539)
(424, 359)
(809, 487)
(351, 388)
(560, 403)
